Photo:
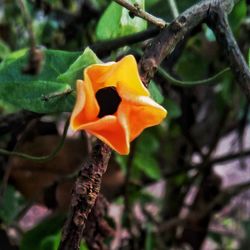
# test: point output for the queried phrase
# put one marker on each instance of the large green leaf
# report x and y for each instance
(30, 95)
(27, 91)
(55, 62)
(75, 71)
(116, 22)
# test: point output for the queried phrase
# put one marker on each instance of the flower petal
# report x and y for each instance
(127, 71)
(109, 130)
(109, 74)
(86, 108)
(98, 74)
(140, 114)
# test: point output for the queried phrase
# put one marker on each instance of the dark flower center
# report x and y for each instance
(108, 100)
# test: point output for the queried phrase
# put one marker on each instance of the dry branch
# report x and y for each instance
(84, 194)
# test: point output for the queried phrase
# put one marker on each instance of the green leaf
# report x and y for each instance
(148, 165)
(238, 13)
(26, 91)
(109, 23)
(192, 65)
(30, 96)
(75, 71)
(174, 111)
(83, 246)
(144, 162)
(116, 22)
(52, 242)
(11, 204)
(4, 49)
(155, 92)
(148, 142)
(43, 235)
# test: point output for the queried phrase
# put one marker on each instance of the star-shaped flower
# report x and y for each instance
(113, 104)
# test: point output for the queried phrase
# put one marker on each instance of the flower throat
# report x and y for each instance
(108, 101)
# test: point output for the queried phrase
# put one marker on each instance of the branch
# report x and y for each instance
(205, 11)
(164, 44)
(137, 11)
(230, 157)
(84, 194)
(216, 160)
(106, 46)
(220, 200)
(97, 228)
(218, 22)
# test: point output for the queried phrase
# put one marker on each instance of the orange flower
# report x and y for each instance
(113, 104)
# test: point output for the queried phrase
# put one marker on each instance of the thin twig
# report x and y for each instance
(28, 22)
(174, 8)
(35, 55)
(40, 158)
(212, 162)
(107, 46)
(221, 199)
(180, 83)
(137, 11)
(64, 93)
